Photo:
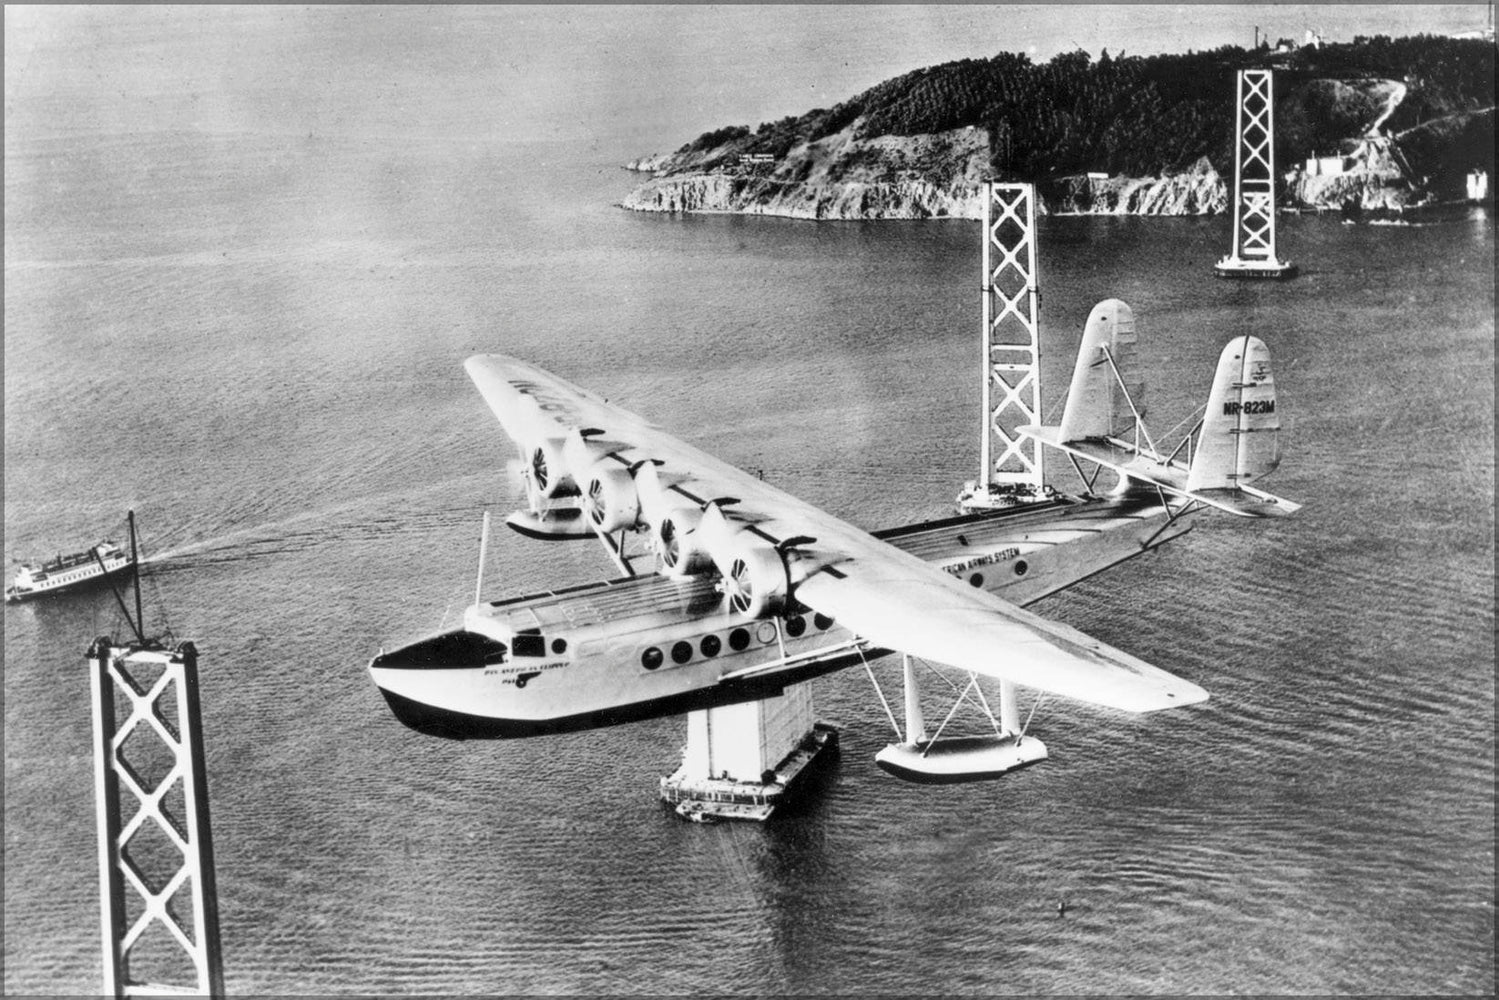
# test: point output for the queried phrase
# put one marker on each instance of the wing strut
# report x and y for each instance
(934, 760)
(881, 694)
(483, 548)
(616, 549)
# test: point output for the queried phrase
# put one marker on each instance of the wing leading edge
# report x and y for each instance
(976, 631)
(889, 597)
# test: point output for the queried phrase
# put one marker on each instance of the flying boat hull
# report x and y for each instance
(648, 646)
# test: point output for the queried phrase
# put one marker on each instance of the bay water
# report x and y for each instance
(254, 339)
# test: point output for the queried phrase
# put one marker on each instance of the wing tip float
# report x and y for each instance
(1236, 443)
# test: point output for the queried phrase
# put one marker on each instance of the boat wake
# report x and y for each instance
(301, 533)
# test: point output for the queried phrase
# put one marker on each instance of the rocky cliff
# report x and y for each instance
(1369, 174)
(1198, 191)
(835, 177)
(900, 177)
(1136, 136)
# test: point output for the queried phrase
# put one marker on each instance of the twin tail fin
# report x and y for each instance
(1240, 437)
(1236, 443)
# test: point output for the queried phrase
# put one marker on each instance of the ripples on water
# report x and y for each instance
(269, 373)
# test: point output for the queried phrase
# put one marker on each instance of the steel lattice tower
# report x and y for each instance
(1253, 251)
(1011, 338)
(154, 842)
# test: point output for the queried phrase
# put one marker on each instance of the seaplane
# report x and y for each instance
(730, 589)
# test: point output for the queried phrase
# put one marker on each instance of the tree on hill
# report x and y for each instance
(1135, 115)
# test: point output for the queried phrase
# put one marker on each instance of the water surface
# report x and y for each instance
(254, 338)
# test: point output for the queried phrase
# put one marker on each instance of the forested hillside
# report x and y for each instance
(1137, 115)
(1405, 120)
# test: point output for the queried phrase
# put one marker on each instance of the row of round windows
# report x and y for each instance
(739, 640)
(1020, 567)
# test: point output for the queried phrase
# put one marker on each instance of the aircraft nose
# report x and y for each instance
(423, 718)
(454, 650)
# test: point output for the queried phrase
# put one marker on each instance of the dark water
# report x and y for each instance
(254, 339)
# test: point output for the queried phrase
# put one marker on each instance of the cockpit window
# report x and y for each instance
(445, 652)
(529, 645)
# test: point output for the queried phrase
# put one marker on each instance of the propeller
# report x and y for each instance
(753, 570)
(596, 512)
(539, 469)
(669, 544)
(739, 587)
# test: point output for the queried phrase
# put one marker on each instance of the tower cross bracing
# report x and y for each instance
(1011, 341)
(1254, 167)
(1252, 253)
(158, 906)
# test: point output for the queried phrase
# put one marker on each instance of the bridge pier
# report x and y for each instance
(740, 760)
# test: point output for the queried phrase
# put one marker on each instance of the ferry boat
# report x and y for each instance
(68, 572)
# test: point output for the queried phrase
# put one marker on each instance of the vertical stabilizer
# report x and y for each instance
(1107, 394)
(1240, 440)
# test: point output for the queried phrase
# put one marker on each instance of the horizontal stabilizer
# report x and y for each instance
(1168, 474)
(1247, 501)
(1239, 438)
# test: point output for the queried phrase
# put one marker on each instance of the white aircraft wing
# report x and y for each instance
(891, 598)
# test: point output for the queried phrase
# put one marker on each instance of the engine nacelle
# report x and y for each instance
(546, 468)
(610, 498)
(755, 579)
(679, 543)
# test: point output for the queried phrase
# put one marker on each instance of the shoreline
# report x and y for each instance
(1193, 193)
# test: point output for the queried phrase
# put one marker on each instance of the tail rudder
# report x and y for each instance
(1098, 405)
(1240, 438)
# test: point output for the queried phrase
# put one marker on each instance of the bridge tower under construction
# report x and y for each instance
(158, 899)
(1252, 254)
(1010, 467)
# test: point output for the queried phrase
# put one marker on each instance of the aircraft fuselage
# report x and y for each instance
(639, 647)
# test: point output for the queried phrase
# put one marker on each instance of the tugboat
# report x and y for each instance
(70, 572)
(694, 812)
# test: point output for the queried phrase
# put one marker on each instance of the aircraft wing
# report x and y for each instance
(978, 631)
(891, 598)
